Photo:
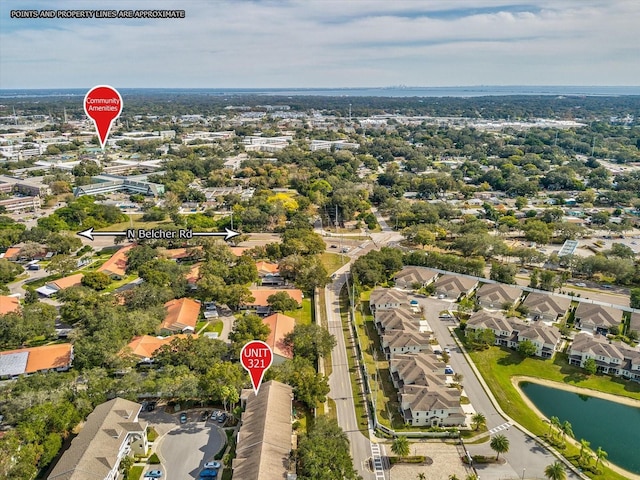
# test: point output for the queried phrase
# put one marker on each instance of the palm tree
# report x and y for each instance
(471, 476)
(555, 471)
(422, 476)
(555, 422)
(600, 455)
(400, 446)
(453, 476)
(584, 445)
(567, 429)
(478, 420)
(499, 444)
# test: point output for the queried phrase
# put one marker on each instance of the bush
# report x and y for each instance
(154, 459)
(152, 435)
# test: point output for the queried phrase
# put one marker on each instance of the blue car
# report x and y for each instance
(153, 474)
(208, 473)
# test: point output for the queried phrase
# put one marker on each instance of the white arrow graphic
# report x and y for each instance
(90, 234)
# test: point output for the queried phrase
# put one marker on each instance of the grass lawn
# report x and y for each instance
(333, 261)
(135, 472)
(119, 283)
(497, 366)
(361, 412)
(135, 222)
(205, 326)
(304, 315)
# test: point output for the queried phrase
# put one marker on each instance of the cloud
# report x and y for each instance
(325, 43)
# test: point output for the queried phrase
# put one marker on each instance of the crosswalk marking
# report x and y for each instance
(499, 428)
(378, 468)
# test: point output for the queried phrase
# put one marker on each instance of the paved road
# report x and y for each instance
(340, 383)
(524, 453)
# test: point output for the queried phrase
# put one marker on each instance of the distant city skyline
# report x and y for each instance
(324, 44)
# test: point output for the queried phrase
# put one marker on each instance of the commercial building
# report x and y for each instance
(102, 184)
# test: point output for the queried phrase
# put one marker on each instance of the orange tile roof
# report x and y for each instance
(280, 326)
(178, 253)
(117, 264)
(267, 268)
(9, 304)
(145, 345)
(194, 273)
(261, 295)
(46, 357)
(70, 281)
(238, 251)
(182, 314)
(12, 252)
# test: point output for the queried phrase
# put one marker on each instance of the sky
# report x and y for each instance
(324, 44)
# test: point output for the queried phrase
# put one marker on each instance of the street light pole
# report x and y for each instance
(523, 470)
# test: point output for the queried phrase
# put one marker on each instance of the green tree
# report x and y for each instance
(590, 366)
(323, 453)
(310, 341)
(503, 273)
(537, 231)
(527, 348)
(635, 298)
(400, 446)
(62, 264)
(601, 456)
(246, 328)
(309, 386)
(499, 444)
(584, 449)
(478, 420)
(96, 280)
(282, 302)
(555, 471)
(555, 422)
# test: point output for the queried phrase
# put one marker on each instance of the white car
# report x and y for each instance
(212, 465)
(580, 284)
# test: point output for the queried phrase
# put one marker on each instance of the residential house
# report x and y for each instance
(25, 361)
(412, 276)
(454, 287)
(269, 274)
(596, 318)
(12, 253)
(497, 323)
(396, 319)
(546, 339)
(546, 307)
(55, 286)
(116, 266)
(280, 326)
(181, 255)
(111, 432)
(613, 358)
(387, 299)
(510, 332)
(9, 304)
(193, 275)
(416, 369)
(496, 295)
(261, 295)
(145, 346)
(395, 342)
(264, 442)
(182, 316)
(431, 406)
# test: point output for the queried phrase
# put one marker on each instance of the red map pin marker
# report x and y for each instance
(103, 105)
(256, 357)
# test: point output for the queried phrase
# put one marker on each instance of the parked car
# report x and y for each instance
(222, 417)
(153, 474)
(447, 351)
(448, 370)
(212, 465)
(204, 416)
(214, 414)
(580, 284)
(334, 246)
(208, 473)
(183, 417)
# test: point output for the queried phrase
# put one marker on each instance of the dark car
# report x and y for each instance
(204, 416)
(222, 417)
(183, 417)
(151, 406)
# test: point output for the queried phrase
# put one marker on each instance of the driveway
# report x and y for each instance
(184, 449)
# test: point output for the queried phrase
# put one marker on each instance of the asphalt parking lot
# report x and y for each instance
(184, 448)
